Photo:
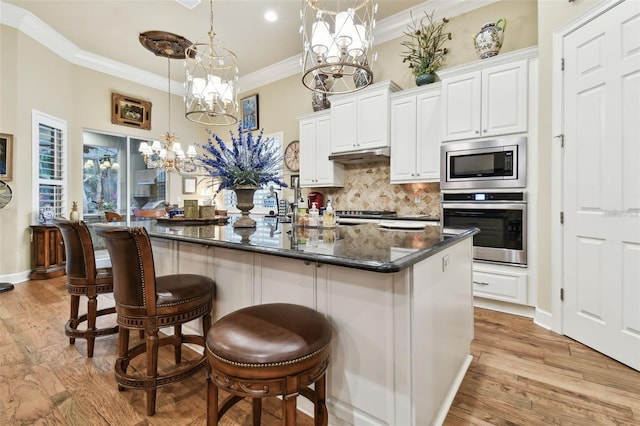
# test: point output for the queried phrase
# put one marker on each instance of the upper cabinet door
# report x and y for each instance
(403, 139)
(344, 135)
(504, 99)
(487, 102)
(461, 108)
(373, 119)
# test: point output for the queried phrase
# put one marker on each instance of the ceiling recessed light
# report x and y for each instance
(271, 16)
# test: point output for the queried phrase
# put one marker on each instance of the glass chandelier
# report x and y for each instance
(211, 81)
(167, 153)
(337, 38)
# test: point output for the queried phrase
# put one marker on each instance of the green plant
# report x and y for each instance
(426, 51)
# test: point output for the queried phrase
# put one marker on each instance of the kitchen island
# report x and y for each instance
(399, 301)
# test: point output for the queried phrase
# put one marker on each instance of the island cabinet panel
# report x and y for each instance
(233, 274)
(282, 280)
(195, 259)
(367, 313)
(165, 256)
(442, 311)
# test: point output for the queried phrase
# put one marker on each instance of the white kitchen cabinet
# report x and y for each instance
(360, 120)
(500, 282)
(415, 137)
(316, 170)
(479, 100)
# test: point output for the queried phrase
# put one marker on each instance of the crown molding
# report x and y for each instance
(386, 30)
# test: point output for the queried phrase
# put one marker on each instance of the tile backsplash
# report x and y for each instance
(367, 187)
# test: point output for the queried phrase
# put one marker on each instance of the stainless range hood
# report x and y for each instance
(364, 156)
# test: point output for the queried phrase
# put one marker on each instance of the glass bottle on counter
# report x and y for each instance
(314, 216)
(329, 217)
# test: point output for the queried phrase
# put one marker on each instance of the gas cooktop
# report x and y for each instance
(366, 214)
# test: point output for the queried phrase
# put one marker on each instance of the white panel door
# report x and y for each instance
(601, 184)
(325, 169)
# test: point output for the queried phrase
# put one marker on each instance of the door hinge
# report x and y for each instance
(562, 64)
(561, 217)
(562, 294)
(561, 138)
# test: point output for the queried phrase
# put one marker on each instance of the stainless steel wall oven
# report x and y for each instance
(501, 218)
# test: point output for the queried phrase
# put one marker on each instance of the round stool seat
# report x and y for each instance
(269, 334)
(276, 349)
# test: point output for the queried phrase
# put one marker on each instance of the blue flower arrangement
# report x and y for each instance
(248, 162)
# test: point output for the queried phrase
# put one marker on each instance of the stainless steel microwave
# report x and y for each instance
(485, 164)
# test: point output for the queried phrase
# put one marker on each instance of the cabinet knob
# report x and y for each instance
(477, 132)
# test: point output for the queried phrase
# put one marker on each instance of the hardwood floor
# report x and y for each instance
(521, 374)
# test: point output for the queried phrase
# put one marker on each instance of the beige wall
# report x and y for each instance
(37, 78)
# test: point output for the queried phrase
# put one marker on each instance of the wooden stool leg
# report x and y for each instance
(289, 409)
(73, 316)
(92, 309)
(212, 403)
(152, 370)
(177, 350)
(123, 348)
(257, 411)
(321, 413)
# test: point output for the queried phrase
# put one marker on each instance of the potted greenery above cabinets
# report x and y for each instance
(426, 51)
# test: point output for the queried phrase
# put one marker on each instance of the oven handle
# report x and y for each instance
(483, 205)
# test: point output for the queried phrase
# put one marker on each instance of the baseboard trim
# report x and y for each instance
(506, 307)
(543, 319)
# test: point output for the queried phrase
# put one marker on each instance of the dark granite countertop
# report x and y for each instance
(367, 246)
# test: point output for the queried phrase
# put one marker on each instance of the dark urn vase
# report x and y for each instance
(244, 196)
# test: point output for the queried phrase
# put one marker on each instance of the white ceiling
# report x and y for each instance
(103, 34)
(110, 28)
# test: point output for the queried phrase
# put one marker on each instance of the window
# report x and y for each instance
(262, 199)
(49, 139)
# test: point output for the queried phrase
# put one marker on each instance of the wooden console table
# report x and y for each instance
(47, 252)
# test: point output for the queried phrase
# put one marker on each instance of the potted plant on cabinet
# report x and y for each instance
(425, 48)
(244, 167)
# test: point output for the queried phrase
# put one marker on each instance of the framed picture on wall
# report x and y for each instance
(250, 112)
(189, 185)
(127, 111)
(6, 156)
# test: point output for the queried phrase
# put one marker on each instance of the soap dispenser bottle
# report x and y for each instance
(329, 217)
(314, 216)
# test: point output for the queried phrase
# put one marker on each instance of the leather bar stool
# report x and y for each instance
(148, 303)
(84, 279)
(113, 217)
(266, 350)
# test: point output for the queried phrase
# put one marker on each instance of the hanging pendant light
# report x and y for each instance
(211, 81)
(167, 152)
(337, 37)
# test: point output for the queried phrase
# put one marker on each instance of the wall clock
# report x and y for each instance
(292, 156)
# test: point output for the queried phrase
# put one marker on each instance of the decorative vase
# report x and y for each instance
(423, 79)
(361, 75)
(244, 203)
(319, 100)
(74, 215)
(489, 40)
